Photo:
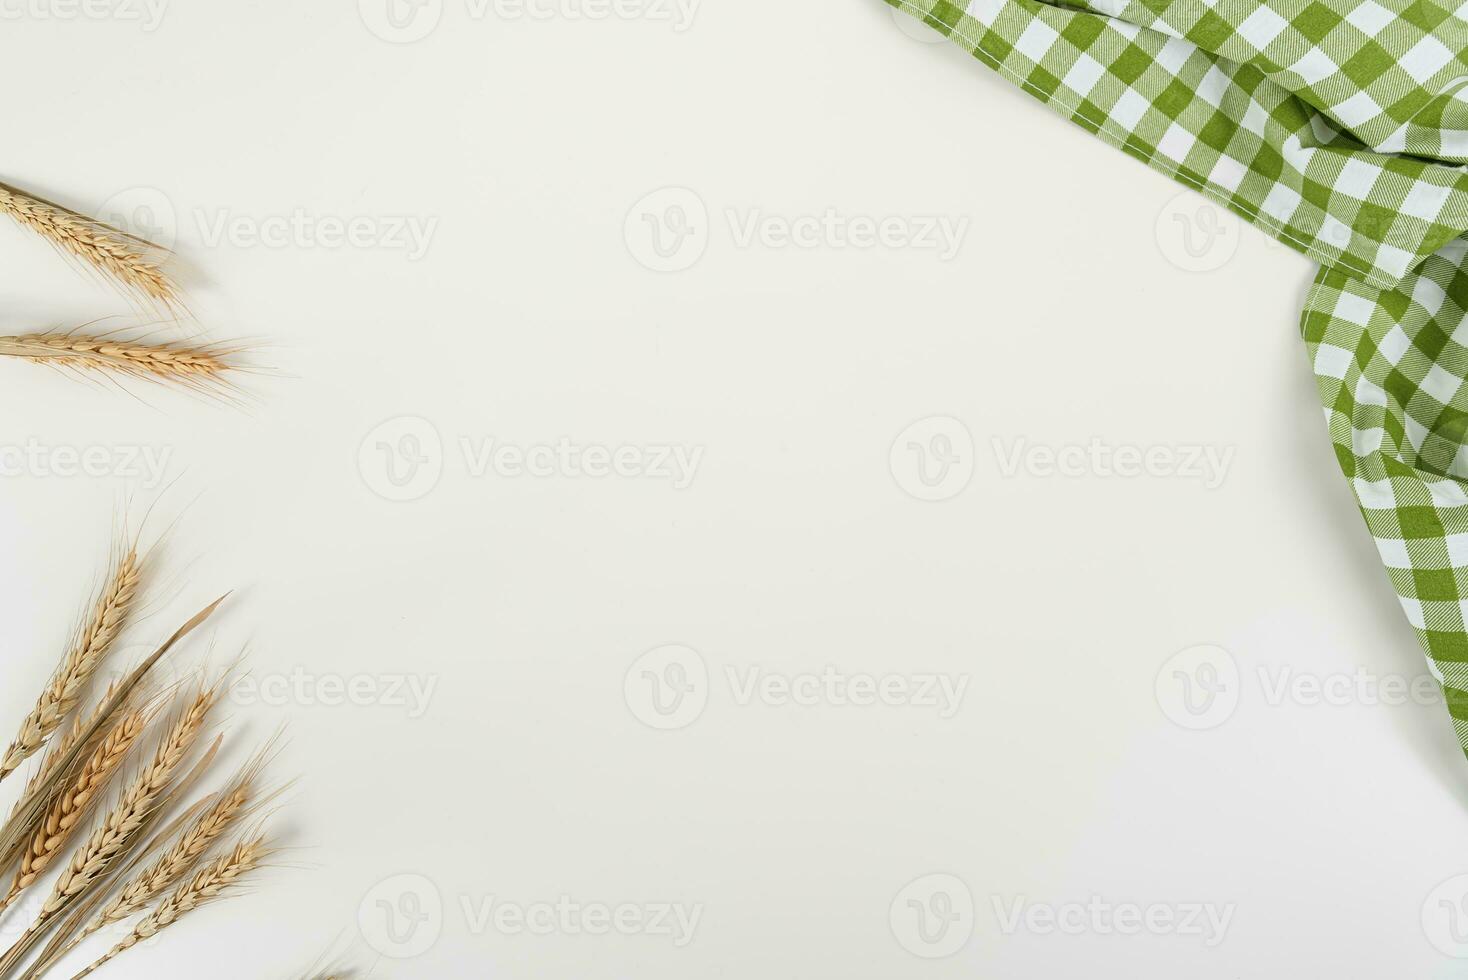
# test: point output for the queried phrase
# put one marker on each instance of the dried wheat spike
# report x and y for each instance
(80, 662)
(133, 263)
(195, 367)
(62, 744)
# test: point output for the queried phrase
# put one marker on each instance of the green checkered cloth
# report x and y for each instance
(1340, 127)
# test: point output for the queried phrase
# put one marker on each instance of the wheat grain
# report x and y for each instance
(80, 662)
(208, 884)
(130, 261)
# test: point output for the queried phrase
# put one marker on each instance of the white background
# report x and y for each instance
(1073, 311)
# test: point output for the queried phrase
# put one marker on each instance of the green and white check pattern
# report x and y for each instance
(1340, 127)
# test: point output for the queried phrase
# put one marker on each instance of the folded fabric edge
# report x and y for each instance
(1397, 241)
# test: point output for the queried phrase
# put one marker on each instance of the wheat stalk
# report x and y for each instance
(80, 662)
(206, 885)
(197, 367)
(76, 800)
(128, 260)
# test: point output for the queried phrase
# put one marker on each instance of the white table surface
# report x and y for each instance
(531, 784)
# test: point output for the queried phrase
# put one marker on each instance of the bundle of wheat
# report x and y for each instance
(129, 867)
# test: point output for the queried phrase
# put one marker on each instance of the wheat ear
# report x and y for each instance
(80, 662)
(128, 260)
(205, 886)
(179, 860)
(80, 794)
(63, 744)
(191, 366)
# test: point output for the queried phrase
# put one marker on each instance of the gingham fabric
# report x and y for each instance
(1340, 127)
